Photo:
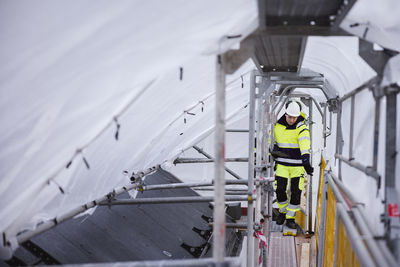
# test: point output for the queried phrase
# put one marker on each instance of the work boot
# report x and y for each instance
(290, 223)
(281, 218)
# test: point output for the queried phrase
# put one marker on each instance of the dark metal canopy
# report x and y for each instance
(279, 43)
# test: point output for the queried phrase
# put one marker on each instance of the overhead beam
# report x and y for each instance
(169, 200)
(202, 160)
(299, 30)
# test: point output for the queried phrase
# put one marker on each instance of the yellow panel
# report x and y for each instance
(345, 253)
(301, 219)
(319, 199)
(329, 244)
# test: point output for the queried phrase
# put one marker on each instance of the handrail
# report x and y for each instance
(379, 253)
(363, 255)
(367, 170)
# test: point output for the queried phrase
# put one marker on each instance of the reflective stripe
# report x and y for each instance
(300, 124)
(305, 151)
(295, 161)
(293, 207)
(288, 145)
(290, 214)
(304, 138)
(282, 206)
(303, 130)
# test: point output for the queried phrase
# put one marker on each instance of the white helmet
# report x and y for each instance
(293, 109)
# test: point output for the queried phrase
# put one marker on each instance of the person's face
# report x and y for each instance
(290, 119)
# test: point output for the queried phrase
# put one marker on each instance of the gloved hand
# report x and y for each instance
(309, 169)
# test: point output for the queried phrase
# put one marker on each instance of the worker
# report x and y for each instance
(292, 157)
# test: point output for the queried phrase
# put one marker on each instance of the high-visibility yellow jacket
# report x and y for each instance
(292, 142)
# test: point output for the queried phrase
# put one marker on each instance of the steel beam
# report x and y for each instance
(351, 127)
(201, 151)
(236, 131)
(391, 194)
(368, 170)
(201, 160)
(250, 212)
(188, 185)
(170, 200)
(219, 171)
(367, 84)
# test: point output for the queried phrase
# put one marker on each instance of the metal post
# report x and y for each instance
(267, 124)
(258, 163)
(376, 132)
(250, 230)
(219, 208)
(324, 123)
(339, 141)
(309, 182)
(351, 127)
(391, 194)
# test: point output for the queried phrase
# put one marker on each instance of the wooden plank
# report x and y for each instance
(313, 255)
(305, 255)
(299, 241)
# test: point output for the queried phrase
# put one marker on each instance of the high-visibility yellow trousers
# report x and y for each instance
(289, 183)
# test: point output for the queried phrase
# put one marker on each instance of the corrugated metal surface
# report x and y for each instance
(131, 233)
(284, 25)
(294, 12)
(279, 53)
(282, 251)
(302, 8)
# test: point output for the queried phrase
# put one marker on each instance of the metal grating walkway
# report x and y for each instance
(282, 251)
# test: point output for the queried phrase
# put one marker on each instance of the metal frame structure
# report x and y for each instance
(391, 197)
(270, 86)
(263, 107)
(369, 251)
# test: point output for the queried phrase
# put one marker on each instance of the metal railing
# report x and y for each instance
(351, 215)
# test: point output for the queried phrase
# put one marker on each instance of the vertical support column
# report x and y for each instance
(324, 124)
(270, 133)
(250, 213)
(259, 151)
(339, 140)
(392, 198)
(219, 172)
(309, 180)
(351, 128)
(259, 148)
(376, 132)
